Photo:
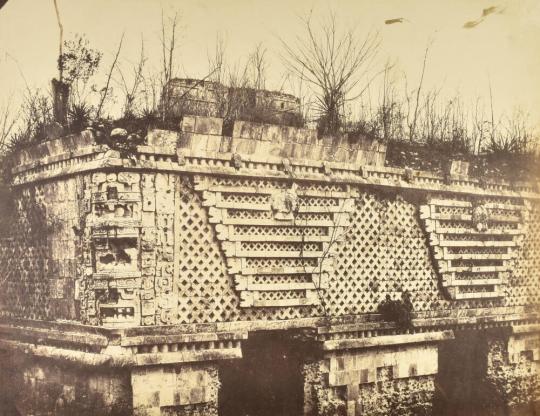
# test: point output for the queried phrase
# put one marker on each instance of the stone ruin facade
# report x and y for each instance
(213, 99)
(207, 274)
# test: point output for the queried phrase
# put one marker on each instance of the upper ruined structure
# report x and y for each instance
(166, 261)
(208, 98)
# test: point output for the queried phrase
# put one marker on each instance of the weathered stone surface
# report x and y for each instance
(162, 138)
(202, 125)
(118, 133)
(255, 232)
(41, 388)
(386, 381)
(513, 375)
(187, 390)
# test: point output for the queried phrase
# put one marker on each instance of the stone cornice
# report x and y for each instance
(98, 157)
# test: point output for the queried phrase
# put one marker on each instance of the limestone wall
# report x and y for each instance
(189, 390)
(205, 134)
(40, 259)
(179, 235)
(40, 387)
(166, 258)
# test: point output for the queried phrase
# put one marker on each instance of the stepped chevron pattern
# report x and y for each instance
(278, 237)
(474, 242)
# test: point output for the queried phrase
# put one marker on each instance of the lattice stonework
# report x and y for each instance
(474, 242)
(278, 238)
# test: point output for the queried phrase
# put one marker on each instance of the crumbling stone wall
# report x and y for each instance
(512, 374)
(74, 224)
(208, 98)
(188, 390)
(383, 382)
(41, 387)
(492, 372)
(186, 246)
(41, 253)
(409, 397)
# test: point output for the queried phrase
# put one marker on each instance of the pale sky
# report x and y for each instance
(504, 48)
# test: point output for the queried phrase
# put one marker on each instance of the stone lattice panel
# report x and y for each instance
(41, 279)
(205, 288)
(523, 287)
(474, 242)
(274, 230)
(7, 267)
(385, 253)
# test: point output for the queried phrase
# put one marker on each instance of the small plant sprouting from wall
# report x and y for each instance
(332, 407)
(399, 311)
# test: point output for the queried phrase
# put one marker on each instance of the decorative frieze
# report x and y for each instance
(278, 237)
(113, 241)
(365, 375)
(474, 241)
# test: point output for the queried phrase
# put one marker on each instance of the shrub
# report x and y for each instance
(397, 310)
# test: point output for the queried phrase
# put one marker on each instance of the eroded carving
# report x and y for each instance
(474, 242)
(278, 240)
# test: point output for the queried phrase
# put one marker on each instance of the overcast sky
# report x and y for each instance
(503, 48)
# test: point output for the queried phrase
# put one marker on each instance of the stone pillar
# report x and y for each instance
(60, 101)
(379, 376)
(512, 373)
(183, 390)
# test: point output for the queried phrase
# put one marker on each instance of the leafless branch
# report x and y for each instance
(61, 40)
(8, 120)
(412, 126)
(107, 85)
(333, 63)
(132, 90)
(169, 33)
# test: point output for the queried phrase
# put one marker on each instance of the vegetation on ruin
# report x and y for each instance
(331, 66)
(399, 311)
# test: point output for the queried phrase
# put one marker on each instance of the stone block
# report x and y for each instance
(247, 130)
(188, 124)
(213, 144)
(458, 168)
(243, 146)
(226, 143)
(271, 133)
(162, 138)
(198, 143)
(208, 125)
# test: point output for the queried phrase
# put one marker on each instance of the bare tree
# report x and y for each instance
(105, 90)
(132, 90)
(216, 60)
(169, 37)
(413, 123)
(238, 81)
(512, 134)
(8, 119)
(298, 88)
(257, 67)
(334, 63)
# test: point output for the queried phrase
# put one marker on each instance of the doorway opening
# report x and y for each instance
(267, 381)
